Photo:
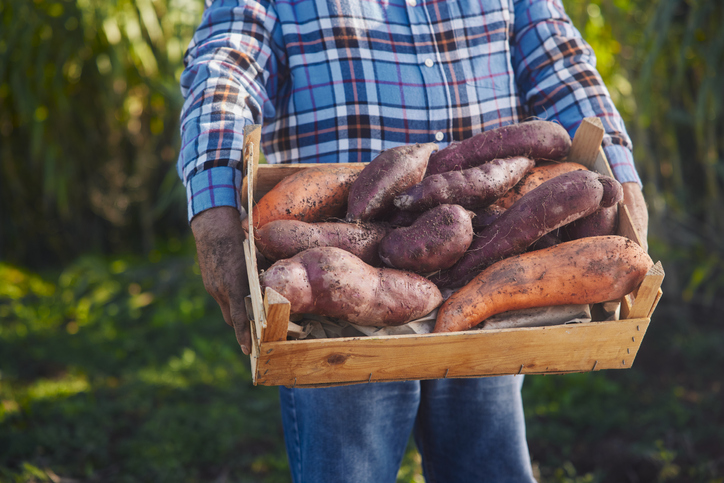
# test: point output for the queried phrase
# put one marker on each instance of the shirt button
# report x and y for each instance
(429, 62)
(412, 3)
(439, 136)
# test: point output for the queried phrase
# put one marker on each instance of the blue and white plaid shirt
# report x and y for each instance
(336, 81)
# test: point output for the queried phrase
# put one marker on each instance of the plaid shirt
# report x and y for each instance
(335, 81)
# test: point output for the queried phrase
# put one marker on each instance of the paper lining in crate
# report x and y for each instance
(370, 357)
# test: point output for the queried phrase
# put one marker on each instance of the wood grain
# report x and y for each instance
(276, 309)
(534, 350)
(587, 142)
(647, 295)
(250, 155)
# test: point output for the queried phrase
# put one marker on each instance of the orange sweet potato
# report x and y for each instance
(585, 271)
(310, 195)
(534, 178)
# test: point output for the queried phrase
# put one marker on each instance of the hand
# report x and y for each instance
(633, 198)
(219, 238)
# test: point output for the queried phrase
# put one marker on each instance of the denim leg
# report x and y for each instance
(473, 430)
(353, 434)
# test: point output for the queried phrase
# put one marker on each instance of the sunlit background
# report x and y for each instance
(116, 366)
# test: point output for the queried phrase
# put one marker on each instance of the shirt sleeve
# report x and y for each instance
(556, 73)
(230, 76)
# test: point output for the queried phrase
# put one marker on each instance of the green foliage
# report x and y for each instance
(123, 370)
(89, 104)
(663, 63)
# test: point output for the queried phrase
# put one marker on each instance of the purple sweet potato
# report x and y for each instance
(548, 240)
(285, 238)
(399, 218)
(332, 282)
(612, 191)
(534, 139)
(603, 221)
(541, 173)
(551, 205)
(470, 188)
(485, 216)
(390, 173)
(436, 240)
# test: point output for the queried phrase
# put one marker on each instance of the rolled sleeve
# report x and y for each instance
(622, 164)
(212, 188)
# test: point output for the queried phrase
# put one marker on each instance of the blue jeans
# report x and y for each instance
(466, 430)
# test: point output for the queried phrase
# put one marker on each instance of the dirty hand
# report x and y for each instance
(219, 236)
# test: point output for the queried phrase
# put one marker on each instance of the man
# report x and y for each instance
(340, 81)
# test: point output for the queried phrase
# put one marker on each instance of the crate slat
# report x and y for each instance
(586, 143)
(534, 350)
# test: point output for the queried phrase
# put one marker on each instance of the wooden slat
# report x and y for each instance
(276, 309)
(535, 350)
(625, 225)
(256, 301)
(254, 356)
(601, 165)
(250, 155)
(587, 142)
(648, 293)
(252, 270)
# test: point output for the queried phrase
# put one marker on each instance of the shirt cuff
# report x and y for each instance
(211, 188)
(622, 164)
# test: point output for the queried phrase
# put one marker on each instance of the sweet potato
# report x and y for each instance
(533, 139)
(534, 178)
(612, 191)
(390, 173)
(312, 194)
(285, 238)
(548, 240)
(399, 218)
(603, 221)
(470, 188)
(485, 216)
(334, 283)
(553, 204)
(436, 240)
(586, 271)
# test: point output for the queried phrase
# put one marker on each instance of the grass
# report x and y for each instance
(121, 370)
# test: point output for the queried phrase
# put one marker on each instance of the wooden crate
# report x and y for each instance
(556, 349)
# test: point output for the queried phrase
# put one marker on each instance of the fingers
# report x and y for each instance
(242, 328)
(226, 312)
